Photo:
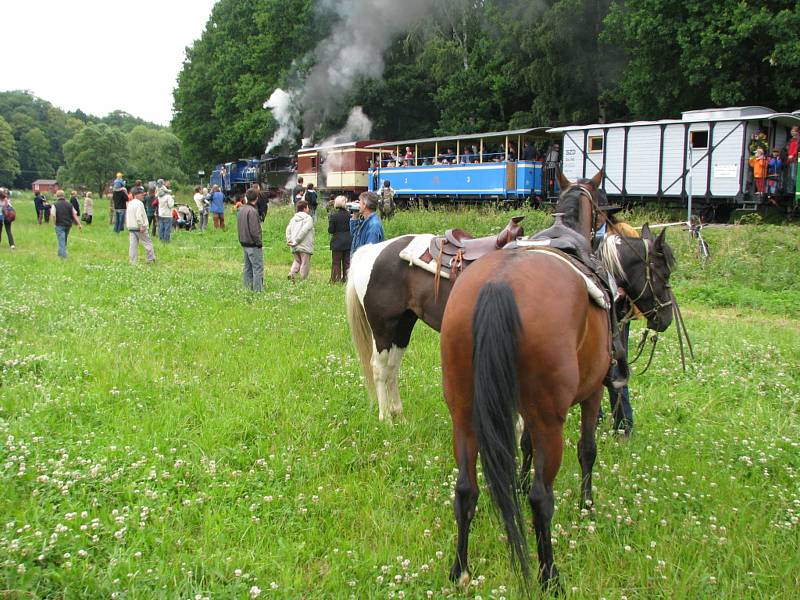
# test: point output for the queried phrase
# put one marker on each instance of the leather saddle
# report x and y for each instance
(456, 249)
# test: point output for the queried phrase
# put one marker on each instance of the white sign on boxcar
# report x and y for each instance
(726, 171)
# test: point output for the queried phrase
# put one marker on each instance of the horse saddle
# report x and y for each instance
(456, 249)
(560, 237)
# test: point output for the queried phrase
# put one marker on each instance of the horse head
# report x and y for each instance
(578, 202)
(642, 267)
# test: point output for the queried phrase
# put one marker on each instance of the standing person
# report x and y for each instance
(386, 200)
(248, 227)
(759, 165)
(300, 238)
(119, 198)
(774, 165)
(311, 199)
(136, 187)
(64, 216)
(366, 227)
(46, 208)
(88, 208)
(136, 222)
(73, 200)
(792, 147)
(217, 207)
(202, 208)
(262, 202)
(165, 205)
(339, 228)
(38, 203)
(298, 190)
(621, 410)
(7, 216)
(150, 205)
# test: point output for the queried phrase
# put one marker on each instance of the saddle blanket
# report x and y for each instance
(416, 249)
(419, 246)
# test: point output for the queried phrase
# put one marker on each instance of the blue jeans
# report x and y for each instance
(61, 236)
(119, 220)
(164, 228)
(621, 409)
(253, 272)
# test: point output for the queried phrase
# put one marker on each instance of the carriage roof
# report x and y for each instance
(736, 113)
(468, 136)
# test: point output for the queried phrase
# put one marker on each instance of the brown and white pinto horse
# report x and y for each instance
(521, 336)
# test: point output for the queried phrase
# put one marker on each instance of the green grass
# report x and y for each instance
(167, 435)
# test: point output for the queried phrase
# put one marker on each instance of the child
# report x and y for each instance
(88, 208)
(300, 238)
(759, 165)
(774, 171)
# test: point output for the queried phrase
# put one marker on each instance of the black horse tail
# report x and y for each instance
(496, 325)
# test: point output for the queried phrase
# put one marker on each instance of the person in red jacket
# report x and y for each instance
(791, 159)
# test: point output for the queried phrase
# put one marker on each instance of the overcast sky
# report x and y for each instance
(99, 55)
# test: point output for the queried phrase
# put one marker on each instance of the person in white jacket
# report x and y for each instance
(300, 239)
(165, 204)
(136, 224)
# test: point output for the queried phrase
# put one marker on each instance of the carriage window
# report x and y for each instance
(699, 140)
(595, 143)
(314, 162)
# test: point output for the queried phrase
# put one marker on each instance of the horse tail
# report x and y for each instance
(361, 332)
(496, 324)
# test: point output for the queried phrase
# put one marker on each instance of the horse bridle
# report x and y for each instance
(659, 304)
(648, 284)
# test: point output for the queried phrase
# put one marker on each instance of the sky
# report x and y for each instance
(100, 55)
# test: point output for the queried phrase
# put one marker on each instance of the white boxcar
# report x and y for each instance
(651, 159)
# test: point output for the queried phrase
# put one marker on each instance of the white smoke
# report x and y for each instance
(358, 127)
(355, 49)
(280, 103)
(362, 32)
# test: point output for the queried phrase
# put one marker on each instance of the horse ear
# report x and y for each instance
(646, 233)
(598, 179)
(660, 239)
(563, 182)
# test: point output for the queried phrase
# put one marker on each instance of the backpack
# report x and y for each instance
(311, 197)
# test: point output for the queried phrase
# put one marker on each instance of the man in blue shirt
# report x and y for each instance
(368, 228)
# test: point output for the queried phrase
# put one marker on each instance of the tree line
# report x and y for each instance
(483, 65)
(40, 141)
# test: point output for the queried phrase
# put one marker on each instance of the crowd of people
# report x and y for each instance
(772, 171)
(471, 154)
(143, 212)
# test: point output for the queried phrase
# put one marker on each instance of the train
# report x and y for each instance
(701, 158)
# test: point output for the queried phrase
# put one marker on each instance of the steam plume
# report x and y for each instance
(363, 31)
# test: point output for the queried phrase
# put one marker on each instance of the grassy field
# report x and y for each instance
(167, 435)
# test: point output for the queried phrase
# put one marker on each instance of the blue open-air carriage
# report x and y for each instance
(504, 167)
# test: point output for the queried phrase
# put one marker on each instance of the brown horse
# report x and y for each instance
(520, 335)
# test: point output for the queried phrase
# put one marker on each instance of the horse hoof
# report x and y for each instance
(463, 581)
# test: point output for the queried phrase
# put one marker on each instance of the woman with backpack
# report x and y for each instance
(7, 216)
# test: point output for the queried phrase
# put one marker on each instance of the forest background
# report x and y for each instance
(423, 68)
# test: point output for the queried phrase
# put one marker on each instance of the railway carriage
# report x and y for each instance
(473, 167)
(703, 156)
(336, 168)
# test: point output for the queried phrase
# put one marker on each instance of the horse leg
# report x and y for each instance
(548, 451)
(587, 448)
(466, 498)
(382, 361)
(526, 446)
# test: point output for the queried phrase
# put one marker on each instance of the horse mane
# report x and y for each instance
(609, 256)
